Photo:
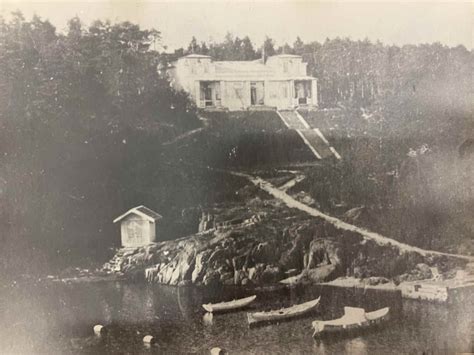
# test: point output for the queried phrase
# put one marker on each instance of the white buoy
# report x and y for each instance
(99, 330)
(217, 351)
(148, 339)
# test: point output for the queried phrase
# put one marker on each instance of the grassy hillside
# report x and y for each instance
(412, 181)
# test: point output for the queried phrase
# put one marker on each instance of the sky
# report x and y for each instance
(402, 22)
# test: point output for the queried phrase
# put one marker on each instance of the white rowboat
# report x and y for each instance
(230, 305)
(353, 318)
(284, 313)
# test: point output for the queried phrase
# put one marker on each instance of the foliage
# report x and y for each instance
(74, 109)
(232, 48)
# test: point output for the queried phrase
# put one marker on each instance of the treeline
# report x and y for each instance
(82, 113)
(361, 72)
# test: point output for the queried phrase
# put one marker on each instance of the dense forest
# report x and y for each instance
(78, 111)
(361, 72)
(83, 115)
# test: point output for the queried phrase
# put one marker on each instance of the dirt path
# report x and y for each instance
(379, 239)
(290, 183)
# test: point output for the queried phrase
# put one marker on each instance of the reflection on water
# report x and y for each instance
(56, 318)
(356, 346)
(207, 318)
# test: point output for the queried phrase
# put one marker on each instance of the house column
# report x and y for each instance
(292, 94)
(314, 92)
(266, 97)
(246, 102)
(223, 94)
(197, 93)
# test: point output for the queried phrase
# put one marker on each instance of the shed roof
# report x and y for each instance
(142, 211)
(196, 56)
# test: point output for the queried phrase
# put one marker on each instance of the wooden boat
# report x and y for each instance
(283, 313)
(230, 305)
(353, 318)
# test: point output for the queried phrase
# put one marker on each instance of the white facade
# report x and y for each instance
(280, 82)
(138, 226)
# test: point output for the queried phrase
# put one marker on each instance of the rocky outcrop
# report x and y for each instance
(264, 242)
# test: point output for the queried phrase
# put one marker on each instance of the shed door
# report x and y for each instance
(134, 232)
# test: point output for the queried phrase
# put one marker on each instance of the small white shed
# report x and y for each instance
(138, 226)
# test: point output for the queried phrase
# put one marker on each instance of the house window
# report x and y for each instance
(238, 89)
(217, 88)
(210, 93)
(257, 93)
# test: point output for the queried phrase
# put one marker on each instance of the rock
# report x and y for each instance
(360, 272)
(184, 263)
(199, 265)
(227, 278)
(239, 275)
(469, 268)
(264, 253)
(256, 272)
(217, 351)
(316, 254)
(239, 261)
(206, 222)
(374, 280)
(245, 281)
(149, 339)
(354, 214)
(305, 198)
(321, 274)
(424, 271)
(211, 278)
(217, 256)
(264, 241)
(100, 330)
(291, 272)
(271, 274)
(292, 259)
(322, 252)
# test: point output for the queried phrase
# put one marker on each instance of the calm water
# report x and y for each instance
(56, 318)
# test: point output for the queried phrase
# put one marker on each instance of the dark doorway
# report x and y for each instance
(257, 93)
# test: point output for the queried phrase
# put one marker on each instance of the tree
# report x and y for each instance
(298, 46)
(193, 46)
(248, 52)
(70, 105)
(268, 47)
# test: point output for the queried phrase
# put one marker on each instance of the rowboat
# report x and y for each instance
(230, 305)
(353, 318)
(283, 313)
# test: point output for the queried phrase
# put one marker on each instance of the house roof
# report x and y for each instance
(242, 67)
(196, 56)
(141, 211)
(285, 56)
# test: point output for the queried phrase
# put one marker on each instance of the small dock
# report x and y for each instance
(439, 291)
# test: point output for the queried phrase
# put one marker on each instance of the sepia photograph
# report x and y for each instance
(236, 177)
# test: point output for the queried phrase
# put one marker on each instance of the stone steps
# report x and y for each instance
(312, 137)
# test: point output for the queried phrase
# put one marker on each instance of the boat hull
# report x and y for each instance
(348, 324)
(228, 306)
(282, 314)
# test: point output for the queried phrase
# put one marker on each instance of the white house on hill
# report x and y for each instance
(138, 226)
(281, 82)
